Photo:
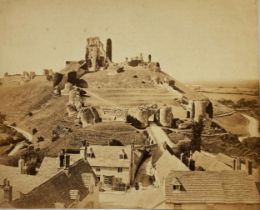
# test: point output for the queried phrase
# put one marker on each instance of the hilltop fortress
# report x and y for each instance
(97, 59)
(98, 71)
(97, 125)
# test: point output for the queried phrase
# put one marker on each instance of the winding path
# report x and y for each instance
(253, 126)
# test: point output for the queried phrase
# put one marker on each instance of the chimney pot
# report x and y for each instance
(192, 164)
(182, 154)
(8, 192)
(67, 160)
(238, 164)
(61, 159)
(83, 152)
(234, 164)
(249, 167)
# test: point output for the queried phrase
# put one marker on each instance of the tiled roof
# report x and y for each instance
(44, 189)
(209, 163)
(56, 188)
(50, 165)
(21, 183)
(108, 156)
(225, 159)
(212, 187)
(166, 163)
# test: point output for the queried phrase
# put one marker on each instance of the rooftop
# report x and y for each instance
(225, 159)
(212, 187)
(45, 184)
(208, 162)
(108, 156)
(166, 163)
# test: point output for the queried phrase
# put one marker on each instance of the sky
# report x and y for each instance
(192, 39)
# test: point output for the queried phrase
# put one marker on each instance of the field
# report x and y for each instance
(135, 96)
(235, 97)
(233, 94)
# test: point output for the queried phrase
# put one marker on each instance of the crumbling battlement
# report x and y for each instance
(197, 107)
(142, 115)
(96, 57)
(18, 78)
(113, 114)
(139, 61)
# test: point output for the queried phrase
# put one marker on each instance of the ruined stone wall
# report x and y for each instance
(88, 116)
(164, 116)
(200, 109)
(95, 54)
(154, 66)
(113, 114)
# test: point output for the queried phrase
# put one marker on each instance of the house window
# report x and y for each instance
(123, 156)
(98, 177)
(176, 187)
(108, 180)
(97, 169)
(91, 155)
(118, 180)
(120, 170)
(177, 206)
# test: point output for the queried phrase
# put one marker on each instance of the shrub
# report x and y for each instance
(34, 131)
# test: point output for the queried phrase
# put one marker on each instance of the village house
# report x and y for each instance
(220, 162)
(70, 186)
(209, 162)
(113, 165)
(208, 190)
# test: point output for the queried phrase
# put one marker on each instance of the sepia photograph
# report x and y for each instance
(130, 104)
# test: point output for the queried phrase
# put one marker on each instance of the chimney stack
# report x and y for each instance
(238, 163)
(192, 164)
(67, 160)
(61, 158)
(8, 191)
(258, 174)
(182, 154)
(83, 150)
(21, 164)
(234, 164)
(249, 167)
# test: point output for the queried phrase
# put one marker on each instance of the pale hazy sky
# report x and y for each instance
(192, 39)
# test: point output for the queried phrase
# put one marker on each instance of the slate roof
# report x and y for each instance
(108, 156)
(42, 191)
(209, 163)
(212, 187)
(49, 165)
(56, 189)
(22, 183)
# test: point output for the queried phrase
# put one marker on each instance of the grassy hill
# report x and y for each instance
(32, 105)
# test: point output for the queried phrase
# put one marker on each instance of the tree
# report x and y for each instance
(197, 128)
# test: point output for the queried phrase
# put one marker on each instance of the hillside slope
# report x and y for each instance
(32, 105)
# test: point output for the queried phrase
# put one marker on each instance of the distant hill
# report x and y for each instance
(254, 84)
